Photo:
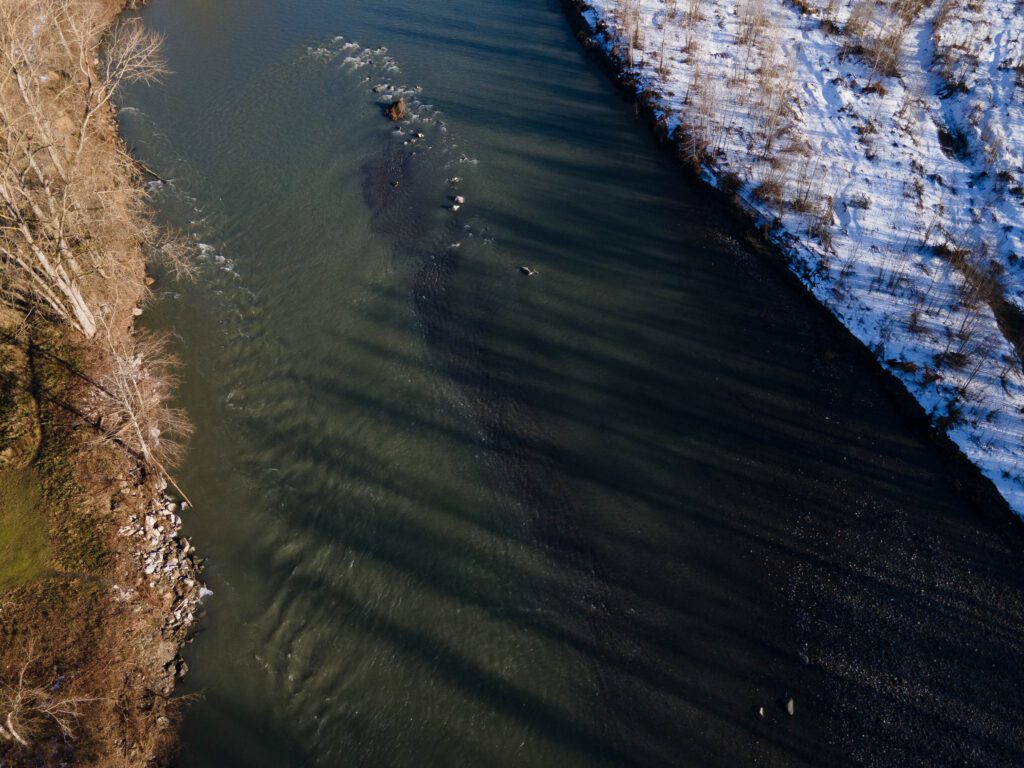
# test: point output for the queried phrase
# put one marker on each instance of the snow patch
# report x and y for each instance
(888, 165)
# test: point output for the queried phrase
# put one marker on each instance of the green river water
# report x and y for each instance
(456, 516)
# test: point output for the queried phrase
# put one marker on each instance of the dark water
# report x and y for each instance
(456, 516)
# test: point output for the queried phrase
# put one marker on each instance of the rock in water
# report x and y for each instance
(396, 110)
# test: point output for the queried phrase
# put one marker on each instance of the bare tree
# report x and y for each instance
(134, 407)
(65, 225)
(30, 706)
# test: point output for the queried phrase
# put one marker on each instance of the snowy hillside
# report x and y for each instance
(882, 143)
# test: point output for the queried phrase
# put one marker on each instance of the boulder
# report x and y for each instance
(396, 110)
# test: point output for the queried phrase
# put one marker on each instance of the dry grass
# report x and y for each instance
(73, 220)
(70, 220)
(66, 619)
(81, 678)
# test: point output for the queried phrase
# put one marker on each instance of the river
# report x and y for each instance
(612, 514)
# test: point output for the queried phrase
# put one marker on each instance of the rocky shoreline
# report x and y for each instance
(161, 570)
(169, 570)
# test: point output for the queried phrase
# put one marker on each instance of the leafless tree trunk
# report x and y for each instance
(133, 402)
(29, 707)
(63, 222)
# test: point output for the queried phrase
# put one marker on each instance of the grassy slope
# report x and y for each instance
(24, 549)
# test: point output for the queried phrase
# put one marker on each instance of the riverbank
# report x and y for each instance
(98, 602)
(966, 475)
(879, 234)
(872, 591)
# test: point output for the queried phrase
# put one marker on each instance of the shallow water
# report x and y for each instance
(453, 515)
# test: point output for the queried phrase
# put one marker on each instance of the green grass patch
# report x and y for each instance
(24, 549)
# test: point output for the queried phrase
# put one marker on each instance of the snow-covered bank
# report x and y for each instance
(862, 134)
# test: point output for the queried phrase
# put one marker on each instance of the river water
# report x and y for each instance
(458, 516)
